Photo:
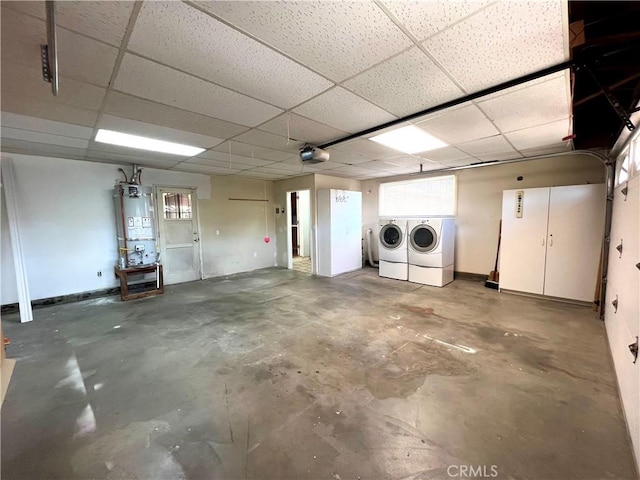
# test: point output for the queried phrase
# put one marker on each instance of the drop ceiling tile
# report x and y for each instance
(487, 146)
(341, 174)
(246, 150)
(493, 157)
(232, 159)
(41, 125)
(366, 148)
(556, 148)
(12, 145)
(51, 110)
(47, 138)
(535, 105)
(540, 136)
(79, 57)
(459, 125)
(261, 175)
(126, 106)
(105, 21)
(188, 167)
(268, 140)
(378, 165)
(426, 18)
(302, 129)
(343, 110)
(345, 158)
(134, 127)
(444, 154)
(288, 167)
(328, 165)
(423, 84)
(337, 39)
(153, 81)
(274, 170)
(406, 161)
(206, 47)
(354, 170)
(504, 41)
(21, 80)
(123, 158)
(459, 163)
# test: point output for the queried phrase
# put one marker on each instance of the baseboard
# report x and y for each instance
(73, 297)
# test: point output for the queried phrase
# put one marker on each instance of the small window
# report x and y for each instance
(623, 168)
(434, 196)
(177, 206)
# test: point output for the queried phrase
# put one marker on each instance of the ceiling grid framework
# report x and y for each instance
(251, 83)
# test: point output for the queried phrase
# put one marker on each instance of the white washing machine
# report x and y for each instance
(392, 249)
(431, 246)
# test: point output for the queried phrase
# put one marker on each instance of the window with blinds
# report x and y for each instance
(433, 196)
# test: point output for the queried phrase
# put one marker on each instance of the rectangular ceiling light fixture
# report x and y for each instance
(145, 143)
(409, 139)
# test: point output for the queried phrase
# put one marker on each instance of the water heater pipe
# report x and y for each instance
(371, 262)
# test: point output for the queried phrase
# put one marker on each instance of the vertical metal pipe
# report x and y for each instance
(610, 166)
(52, 40)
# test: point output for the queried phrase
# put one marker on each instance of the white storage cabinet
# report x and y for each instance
(551, 240)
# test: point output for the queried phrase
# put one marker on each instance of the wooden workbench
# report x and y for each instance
(123, 275)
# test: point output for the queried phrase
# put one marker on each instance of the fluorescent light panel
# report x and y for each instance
(409, 139)
(145, 143)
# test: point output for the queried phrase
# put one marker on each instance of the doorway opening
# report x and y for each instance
(299, 231)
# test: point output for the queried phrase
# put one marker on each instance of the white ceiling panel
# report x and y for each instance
(539, 136)
(79, 57)
(261, 175)
(328, 165)
(426, 18)
(134, 153)
(12, 145)
(293, 168)
(346, 158)
(487, 146)
(492, 157)
(244, 149)
(45, 109)
(35, 124)
(269, 140)
(563, 147)
(38, 137)
(366, 148)
(459, 125)
(504, 41)
(423, 84)
(106, 21)
(337, 39)
(112, 157)
(203, 46)
(444, 154)
(134, 127)
(459, 163)
(18, 79)
(535, 105)
(153, 81)
(378, 166)
(343, 110)
(188, 167)
(126, 106)
(233, 159)
(406, 161)
(353, 170)
(301, 129)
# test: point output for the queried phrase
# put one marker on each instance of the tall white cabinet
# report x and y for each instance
(551, 240)
(339, 232)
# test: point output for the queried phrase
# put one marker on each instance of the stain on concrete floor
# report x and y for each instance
(277, 374)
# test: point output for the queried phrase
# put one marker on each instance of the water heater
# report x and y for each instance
(135, 223)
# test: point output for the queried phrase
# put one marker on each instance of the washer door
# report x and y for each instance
(390, 236)
(423, 238)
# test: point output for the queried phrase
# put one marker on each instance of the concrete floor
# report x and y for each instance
(276, 374)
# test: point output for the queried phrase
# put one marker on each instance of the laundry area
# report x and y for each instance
(305, 240)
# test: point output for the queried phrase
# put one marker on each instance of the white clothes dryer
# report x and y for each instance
(392, 249)
(431, 248)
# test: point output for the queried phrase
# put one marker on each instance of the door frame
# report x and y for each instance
(290, 224)
(159, 206)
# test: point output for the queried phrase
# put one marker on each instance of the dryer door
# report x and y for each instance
(423, 238)
(390, 236)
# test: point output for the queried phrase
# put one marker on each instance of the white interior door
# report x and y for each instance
(524, 239)
(179, 235)
(574, 241)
